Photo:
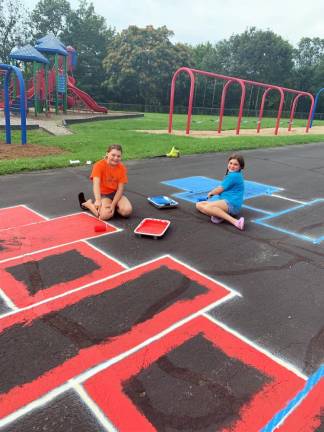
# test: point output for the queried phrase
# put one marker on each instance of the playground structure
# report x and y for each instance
(228, 81)
(7, 71)
(52, 84)
(315, 105)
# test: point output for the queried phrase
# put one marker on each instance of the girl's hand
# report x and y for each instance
(97, 205)
(209, 195)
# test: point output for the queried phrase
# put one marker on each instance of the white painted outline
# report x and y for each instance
(36, 212)
(126, 270)
(13, 206)
(93, 407)
(288, 199)
(102, 252)
(11, 305)
(257, 347)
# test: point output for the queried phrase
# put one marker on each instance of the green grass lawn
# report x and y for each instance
(90, 140)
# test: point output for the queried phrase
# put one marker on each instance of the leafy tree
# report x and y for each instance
(87, 32)
(309, 62)
(50, 16)
(256, 55)
(204, 57)
(309, 52)
(14, 27)
(140, 64)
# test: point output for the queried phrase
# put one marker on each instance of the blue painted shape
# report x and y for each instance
(197, 187)
(280, 416)
(193, 184)
(264, 222)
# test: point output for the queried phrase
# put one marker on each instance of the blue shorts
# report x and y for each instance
(110, 196)
(232, 210)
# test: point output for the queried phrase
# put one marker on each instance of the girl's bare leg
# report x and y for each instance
(90, 206)
(216, 208)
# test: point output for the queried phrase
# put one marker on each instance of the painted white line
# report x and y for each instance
(206, 276)
(57, 246)
(288, 199)
(10, 207)
(8, 301)
(38, 403)
(97, 412)
(102, 366)
(278, 360)
(36, 212)
(105, 254)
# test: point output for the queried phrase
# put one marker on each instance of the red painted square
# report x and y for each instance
(106, 387)
(55, 232)
(17, 291)
(309, 414)
(96, 354)
(12, 217)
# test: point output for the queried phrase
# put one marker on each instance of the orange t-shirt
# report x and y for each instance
(110, 176)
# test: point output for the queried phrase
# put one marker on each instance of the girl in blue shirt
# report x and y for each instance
(230, 194)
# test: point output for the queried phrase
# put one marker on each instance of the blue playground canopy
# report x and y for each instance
(50, 44)
(49, 37)
(28, 53)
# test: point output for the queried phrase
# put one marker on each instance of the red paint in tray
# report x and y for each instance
(152, 227)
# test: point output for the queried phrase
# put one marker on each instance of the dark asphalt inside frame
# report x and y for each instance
(281, 308)
(193, 372)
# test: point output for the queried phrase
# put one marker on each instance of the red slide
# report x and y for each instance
(88, 100)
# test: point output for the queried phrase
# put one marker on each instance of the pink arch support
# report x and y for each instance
(242, 82)
(294, 105)
(282, 99)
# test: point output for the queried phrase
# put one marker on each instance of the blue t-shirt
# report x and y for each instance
(233, 185)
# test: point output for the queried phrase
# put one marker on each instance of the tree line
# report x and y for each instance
(136, 65)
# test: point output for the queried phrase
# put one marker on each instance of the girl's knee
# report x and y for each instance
(106, 215)
(125, 211)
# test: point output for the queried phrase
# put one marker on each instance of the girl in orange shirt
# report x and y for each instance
(109, 177)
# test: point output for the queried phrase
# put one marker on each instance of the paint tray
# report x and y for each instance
(162, 201)
(152, 227)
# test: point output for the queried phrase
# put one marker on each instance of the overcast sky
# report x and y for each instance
(197, 21)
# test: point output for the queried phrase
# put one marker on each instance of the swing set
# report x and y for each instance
(228, 81)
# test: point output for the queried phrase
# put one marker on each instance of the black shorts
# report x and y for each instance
(110, 196)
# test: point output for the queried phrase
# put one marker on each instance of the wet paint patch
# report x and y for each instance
(199, 375)
(46, 234)
(43, 275)
(92, 325)
(309, 414)
(12, 217)
(66, 413)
